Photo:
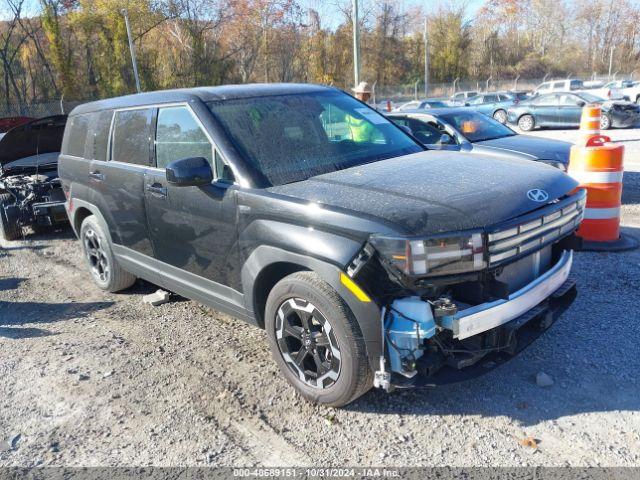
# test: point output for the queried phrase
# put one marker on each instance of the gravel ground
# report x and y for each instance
(95, 379)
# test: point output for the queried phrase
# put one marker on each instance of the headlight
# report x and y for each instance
(444, 254)
(559, 165)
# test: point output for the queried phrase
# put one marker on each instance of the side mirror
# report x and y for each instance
(189, 172)
(581, 103)
(445, 139)
(467, 104)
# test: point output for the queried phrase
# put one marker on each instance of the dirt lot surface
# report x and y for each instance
(89, 378)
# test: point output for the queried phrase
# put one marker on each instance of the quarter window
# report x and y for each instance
(180, 136)
(75, 137)
(130, 141)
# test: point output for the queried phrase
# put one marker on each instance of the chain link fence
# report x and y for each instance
(399, 93)
(382, 93)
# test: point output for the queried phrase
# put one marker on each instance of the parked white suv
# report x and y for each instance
(559, 86)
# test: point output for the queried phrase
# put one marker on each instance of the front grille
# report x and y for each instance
(533, 232)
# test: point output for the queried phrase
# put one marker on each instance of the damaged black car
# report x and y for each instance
(30, 190)
(369, 260)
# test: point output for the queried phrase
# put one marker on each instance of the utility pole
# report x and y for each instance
(356, 43)
(426, 59)
(132, 49)
(611, 60)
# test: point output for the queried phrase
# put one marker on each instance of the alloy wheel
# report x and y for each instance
(500, 116)
(605, 123)
(526, 123)
(96, 256)
(307, 343)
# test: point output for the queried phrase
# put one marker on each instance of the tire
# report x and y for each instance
(605, 122)
(336, 369)
(105, 269)
(9, 227)
(500, 116)
(638, 99)
(526, 123)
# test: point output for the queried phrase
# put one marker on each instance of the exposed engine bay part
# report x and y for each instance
(30, 191)
(422, 335)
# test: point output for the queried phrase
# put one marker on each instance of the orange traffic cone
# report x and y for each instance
(598, 165)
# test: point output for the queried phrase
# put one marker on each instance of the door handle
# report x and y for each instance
(96, 175)
(157, 190)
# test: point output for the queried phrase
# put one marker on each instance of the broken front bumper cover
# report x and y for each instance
(507, 326)
(486, 316)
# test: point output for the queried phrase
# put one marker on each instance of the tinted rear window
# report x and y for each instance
(75, 138)
(131, 130)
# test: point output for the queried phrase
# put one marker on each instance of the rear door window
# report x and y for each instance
(131, 132)
(545, 100)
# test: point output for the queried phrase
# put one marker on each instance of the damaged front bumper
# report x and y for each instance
(477, 339)
(486, 316)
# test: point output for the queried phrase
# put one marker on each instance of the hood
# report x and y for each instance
(537, 148)
(436, 191)
(33, 138)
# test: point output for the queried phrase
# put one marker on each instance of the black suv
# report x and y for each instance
(368, 260)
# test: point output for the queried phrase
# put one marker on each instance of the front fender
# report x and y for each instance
(367, 314)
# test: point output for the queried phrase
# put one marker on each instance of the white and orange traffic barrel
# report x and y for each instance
(598, 165)
(590, 121)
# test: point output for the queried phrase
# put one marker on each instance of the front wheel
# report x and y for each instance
(316, 340)
(605, 122)
(105, 269)
(526, 123)
(500, 116)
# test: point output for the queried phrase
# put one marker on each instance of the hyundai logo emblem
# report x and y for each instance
(538, 195)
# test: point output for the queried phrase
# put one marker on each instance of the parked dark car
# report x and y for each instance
(462, 130)
(565, 109)
(421, 104)
(8, 123)
(30, 191)
(494, 104)
(367, 259)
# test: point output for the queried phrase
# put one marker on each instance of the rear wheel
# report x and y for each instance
(500, 116)
(9, 227)
(316, 340)
(526, 123)
(105, 269)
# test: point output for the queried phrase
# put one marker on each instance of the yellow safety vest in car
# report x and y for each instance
(361, 130)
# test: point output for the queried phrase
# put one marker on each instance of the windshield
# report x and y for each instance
(476, 127)
(436, 104)
(289, 138)
(591, 98)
